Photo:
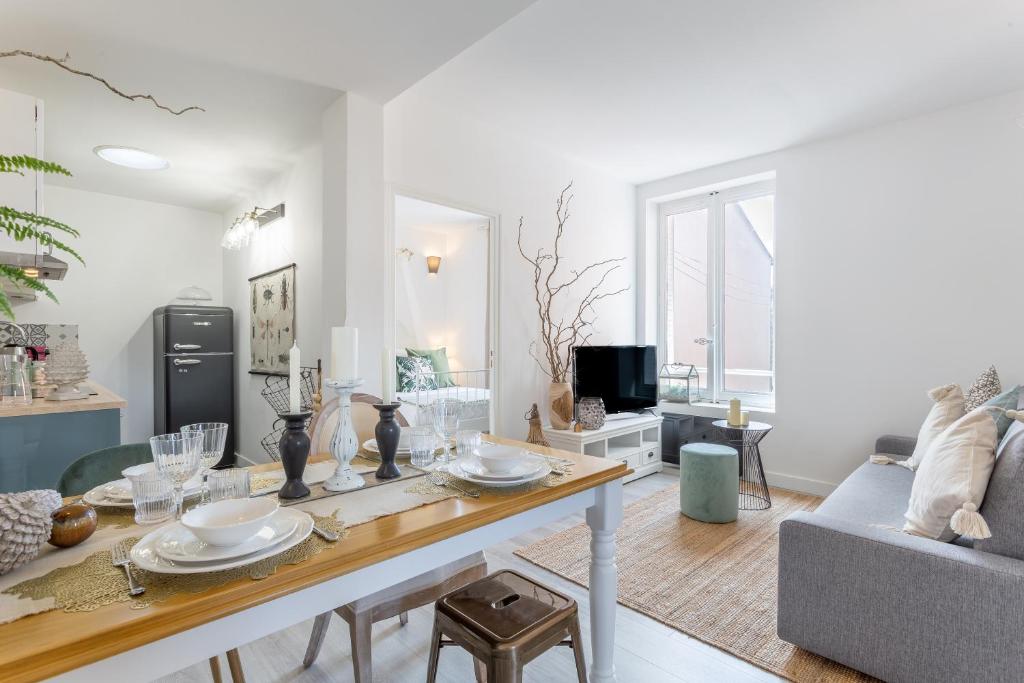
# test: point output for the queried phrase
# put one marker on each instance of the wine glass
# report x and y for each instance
(176, 456)
(211, 450)
(447, 412)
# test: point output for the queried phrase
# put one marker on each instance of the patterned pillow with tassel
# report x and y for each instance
(985, 388)
(415, 374)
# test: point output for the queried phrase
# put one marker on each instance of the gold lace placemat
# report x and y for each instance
(459, 488)
(95, 582)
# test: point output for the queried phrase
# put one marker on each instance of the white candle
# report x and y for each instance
(294, 380)
(734, 412)
(344, 353)
(387, 374)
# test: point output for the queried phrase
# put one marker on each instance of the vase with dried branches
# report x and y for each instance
(553, 283)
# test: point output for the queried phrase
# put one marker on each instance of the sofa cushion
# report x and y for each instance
(871, 495)
(1003, 507)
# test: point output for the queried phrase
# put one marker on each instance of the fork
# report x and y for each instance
(435, 479)
(119, 558)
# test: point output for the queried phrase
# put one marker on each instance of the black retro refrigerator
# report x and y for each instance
(194, 369)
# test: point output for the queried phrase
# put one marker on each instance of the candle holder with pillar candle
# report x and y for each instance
(345, 444)
(388, 432)
(294, 450)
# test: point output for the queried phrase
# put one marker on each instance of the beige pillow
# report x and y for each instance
(951, 480)
(948, 408)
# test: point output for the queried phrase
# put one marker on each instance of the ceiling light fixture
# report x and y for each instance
(240, 233)
(131, 157)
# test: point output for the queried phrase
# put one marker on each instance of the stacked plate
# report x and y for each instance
(403, 445)
(222, 535)
(118, 493)
(500, 466)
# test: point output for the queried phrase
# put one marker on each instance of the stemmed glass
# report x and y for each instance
(211, 450)
(447, 413)
(177, 457)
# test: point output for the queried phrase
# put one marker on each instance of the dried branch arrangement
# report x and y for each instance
(62, 63)
(559, 336)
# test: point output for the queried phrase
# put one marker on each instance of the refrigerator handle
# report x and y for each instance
(187, 347)
(187, 361)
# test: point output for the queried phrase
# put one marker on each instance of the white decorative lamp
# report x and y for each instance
(66, 367)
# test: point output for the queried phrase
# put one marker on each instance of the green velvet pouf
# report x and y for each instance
(709, 482)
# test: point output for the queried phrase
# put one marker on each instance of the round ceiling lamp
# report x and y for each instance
(131, 157)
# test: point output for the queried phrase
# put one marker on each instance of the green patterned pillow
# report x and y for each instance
(439, 359)
(409, 374)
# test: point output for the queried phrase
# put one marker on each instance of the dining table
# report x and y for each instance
(122, 641)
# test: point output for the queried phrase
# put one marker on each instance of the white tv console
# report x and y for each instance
(632, 439)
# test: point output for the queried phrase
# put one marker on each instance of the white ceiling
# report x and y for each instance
(649, 88)
(263, 71)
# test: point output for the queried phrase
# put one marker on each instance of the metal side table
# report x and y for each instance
(754, 493)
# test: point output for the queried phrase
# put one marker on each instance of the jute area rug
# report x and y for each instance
(715, 582)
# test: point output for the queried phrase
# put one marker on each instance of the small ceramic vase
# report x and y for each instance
(591, 412)
(72, 524)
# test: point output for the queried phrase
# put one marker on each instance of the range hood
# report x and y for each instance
(49, 268)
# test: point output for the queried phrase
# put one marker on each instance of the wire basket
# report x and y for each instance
(276, 390)
(271, 440)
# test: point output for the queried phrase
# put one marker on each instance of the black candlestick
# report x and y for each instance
(387, 432)
(294, 449)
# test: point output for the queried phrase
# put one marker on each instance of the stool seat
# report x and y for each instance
(709, 483)
(502, 607)
(504, 621)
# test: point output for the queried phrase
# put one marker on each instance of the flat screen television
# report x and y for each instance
(625, 377)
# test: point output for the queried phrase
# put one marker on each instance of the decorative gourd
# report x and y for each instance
(25, 525)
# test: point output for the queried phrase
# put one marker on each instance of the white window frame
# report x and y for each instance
(713, 201)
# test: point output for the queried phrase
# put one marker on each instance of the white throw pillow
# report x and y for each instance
(948, 408)
(951, 481)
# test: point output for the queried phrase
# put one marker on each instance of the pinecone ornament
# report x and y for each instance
(25, 525)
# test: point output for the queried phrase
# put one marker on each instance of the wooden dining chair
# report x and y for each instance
(397, 600)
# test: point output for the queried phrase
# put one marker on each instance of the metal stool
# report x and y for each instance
(505, 620)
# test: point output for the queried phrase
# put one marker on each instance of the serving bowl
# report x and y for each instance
(229, 522)
(498, 459)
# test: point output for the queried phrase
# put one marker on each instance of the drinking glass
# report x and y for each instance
(177, 458)
(15, 387)
(152, 496)
(447, 412)
(467, 441)
(422, 442)
(211, 450)
(229, 484)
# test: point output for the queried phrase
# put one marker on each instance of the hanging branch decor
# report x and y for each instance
(560, 333)
(62, 63)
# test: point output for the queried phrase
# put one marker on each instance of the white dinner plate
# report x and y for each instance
(371, 445)
(530, 465)
(145, 555)
(98, 497)
(457, 470)
(178, 544)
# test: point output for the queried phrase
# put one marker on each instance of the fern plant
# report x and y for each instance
(23, 225)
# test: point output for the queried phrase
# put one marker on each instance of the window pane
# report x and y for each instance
(688, 290)
(748, 286)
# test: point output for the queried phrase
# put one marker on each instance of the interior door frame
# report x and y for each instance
(393, 191)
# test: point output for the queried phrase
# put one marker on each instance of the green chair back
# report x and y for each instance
(101, 466)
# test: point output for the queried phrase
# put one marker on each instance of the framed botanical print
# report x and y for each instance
(271, 320)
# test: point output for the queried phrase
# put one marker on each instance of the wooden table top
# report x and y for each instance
(46, 644)
(105, 399)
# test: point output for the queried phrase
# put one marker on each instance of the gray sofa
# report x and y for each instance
(900, 607)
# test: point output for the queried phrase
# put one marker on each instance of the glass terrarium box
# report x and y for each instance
(678, 383)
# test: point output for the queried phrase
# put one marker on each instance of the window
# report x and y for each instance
(718, 290)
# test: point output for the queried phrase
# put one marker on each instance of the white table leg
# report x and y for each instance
(603, 518)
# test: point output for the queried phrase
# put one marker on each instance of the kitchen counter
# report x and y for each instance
(39, 441)
(103, 400)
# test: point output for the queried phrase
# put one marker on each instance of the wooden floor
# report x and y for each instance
(645, 650)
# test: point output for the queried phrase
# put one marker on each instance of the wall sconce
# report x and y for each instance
(433, 265)
(242, 230)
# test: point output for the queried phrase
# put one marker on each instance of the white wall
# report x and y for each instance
(435, 151)
(898, 264)
(138, 256)
(296, 238)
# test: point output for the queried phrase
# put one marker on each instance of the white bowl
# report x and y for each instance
(229, 522)
(500, 459)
